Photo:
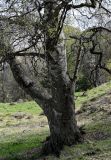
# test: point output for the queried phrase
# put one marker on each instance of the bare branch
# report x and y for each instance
(27, 84)
(29, 54)
(88, 5)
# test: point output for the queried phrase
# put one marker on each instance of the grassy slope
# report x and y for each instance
(22, 129)
(92, 94)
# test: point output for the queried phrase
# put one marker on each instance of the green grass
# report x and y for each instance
(90, 149)
(20, 135)
(92, 94)
(87, 151)
(99, 126)
(27, 107)
(33, 108)
(20, 144)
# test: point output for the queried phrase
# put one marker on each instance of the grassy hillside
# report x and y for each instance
(23, 128)
(92, 94)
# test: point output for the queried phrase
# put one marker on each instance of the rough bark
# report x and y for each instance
(63, 127)
(40, 95)
(61, 111)
(59, 107)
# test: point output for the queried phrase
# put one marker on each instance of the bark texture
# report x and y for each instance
(58, 106)
(61, 111)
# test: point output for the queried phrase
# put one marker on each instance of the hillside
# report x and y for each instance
(23, 128)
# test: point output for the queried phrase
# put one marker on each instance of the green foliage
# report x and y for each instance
(69, 31)
(82, 83)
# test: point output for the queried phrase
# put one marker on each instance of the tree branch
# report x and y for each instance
(99, 64)
(77, 63)
(38, 94)
(88, 5)
(97, 29)
(29, 54)
(106, 69)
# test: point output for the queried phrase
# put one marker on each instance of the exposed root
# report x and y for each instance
(52, 145)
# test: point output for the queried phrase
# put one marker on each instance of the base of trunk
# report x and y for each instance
(63, 129)
(54, 143)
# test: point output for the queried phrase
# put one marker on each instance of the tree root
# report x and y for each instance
(52, 145)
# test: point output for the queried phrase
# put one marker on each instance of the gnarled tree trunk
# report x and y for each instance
(61, 110)
(62, 124)
(59, 106)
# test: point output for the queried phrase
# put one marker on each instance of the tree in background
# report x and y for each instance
(34, 28)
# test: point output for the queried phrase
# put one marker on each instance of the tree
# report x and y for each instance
(34, 28)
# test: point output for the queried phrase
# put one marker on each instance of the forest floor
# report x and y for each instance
(23, 128)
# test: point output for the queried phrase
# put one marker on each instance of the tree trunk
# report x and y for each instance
(59, 106)
(61, 111)
(63, 127)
